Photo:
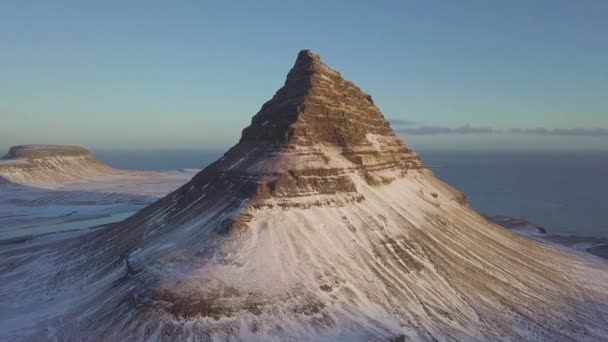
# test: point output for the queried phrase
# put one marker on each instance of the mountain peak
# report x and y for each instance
(316, 105)
(307, 56)
(305, 142)
(309, 71)
(310, 63)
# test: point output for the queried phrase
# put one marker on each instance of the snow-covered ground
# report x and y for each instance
(408, 261)
(27, 211)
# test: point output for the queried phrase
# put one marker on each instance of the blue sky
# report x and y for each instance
(175, 74)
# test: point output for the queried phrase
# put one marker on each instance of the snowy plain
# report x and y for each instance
(27, 211)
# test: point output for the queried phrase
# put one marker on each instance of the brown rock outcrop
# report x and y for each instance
(306, 141)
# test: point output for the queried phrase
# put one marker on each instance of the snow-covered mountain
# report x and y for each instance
(319, 224)
(50, 164)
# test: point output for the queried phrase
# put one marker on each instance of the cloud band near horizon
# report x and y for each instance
(411, 127)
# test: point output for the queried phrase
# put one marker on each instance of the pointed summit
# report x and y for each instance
(316, 124)
(307, 58)
(308, 64)
(317, 106)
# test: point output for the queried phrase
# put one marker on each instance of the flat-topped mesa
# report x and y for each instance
(50, 165)
(316, 132)
(44, 151)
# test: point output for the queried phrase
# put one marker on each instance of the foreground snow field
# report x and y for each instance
(27, 211)
(51, 188)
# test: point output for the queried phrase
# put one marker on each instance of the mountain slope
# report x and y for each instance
(319, 224)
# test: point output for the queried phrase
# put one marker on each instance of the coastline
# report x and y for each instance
(594, 245)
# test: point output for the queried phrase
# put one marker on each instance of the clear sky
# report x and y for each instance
(457, 74)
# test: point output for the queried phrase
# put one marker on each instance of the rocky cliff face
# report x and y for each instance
(308, 140)
(48, 165)
(319, 224)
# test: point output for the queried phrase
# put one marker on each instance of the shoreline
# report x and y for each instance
(590, 244)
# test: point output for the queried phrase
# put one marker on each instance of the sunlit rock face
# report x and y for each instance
(50, 165)
(316, 132)
(319, 224)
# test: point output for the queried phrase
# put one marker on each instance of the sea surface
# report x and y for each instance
(564, 192)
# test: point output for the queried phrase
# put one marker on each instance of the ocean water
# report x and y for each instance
(158, 159)
(564, 192)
